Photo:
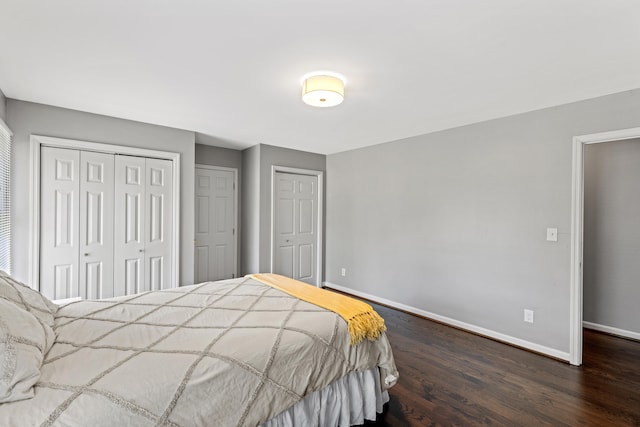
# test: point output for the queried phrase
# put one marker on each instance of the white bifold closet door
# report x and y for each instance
(143, 225)
(76, 224)
(105, 224)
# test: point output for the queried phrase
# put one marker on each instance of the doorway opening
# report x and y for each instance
(577, 233)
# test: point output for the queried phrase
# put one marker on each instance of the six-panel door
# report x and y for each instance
(296, 226)
(215, 249)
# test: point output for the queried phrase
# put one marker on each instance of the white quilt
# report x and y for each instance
(228, 353)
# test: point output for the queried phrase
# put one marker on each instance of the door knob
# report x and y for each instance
(141, 250)
(86, 254)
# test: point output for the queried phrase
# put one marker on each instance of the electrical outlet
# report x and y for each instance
(552, 234)
(343, 272)
(528, 316)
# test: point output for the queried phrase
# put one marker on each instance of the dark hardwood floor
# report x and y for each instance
(449, 377)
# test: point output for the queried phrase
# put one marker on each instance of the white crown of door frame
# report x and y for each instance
(577, 218)
(235, 207)
(320, 175)
(34, 195)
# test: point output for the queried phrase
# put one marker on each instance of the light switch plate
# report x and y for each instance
(552, 234)
(528, 315)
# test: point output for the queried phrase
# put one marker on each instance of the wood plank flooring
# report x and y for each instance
(449, 377)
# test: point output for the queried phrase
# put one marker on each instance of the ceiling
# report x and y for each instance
(231, 69)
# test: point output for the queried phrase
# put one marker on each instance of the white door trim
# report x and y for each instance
(320, 175)
(577, 218)
(235, 207)
(34, 195)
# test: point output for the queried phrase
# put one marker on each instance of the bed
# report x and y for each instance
(230, 353)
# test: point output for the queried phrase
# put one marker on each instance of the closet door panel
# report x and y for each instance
(130, 207)
(158, 226)
(59, 224)
(96, 225)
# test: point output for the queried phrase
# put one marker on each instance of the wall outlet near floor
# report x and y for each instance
(343, 272)
(552, 234)
(528, 316)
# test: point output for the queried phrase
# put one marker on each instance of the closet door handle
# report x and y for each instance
(86, 254)
(141, 250)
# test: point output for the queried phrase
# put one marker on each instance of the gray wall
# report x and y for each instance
(454, 222)
(217, 156)
(228, 158)
(257, 163)
(250, 260)
(26, 119)
(3, 107)
(612, 234)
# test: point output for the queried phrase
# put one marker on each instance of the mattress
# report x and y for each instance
(228, 353)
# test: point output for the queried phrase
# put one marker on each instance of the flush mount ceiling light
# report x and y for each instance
(323, 89)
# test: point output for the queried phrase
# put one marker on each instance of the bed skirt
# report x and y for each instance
(348, 401)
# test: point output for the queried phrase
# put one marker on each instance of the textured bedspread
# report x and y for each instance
(228, 353)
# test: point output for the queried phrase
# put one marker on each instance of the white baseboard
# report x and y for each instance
(611, 330)
(458, 324)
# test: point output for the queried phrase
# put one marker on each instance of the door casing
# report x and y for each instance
(36, 141)
(577, 228)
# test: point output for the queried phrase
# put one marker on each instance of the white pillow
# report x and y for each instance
(26, 298)
(24, 341)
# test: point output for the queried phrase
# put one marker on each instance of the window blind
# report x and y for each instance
(5, 197)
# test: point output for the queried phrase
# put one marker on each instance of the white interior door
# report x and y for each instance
(158, 224)
(296, 226)
(130, 206)
(215, 223)
(96, 225)
(59, 225)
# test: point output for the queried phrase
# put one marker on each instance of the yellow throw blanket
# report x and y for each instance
(362, 321)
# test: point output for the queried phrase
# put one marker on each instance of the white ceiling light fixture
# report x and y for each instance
(323, 89)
